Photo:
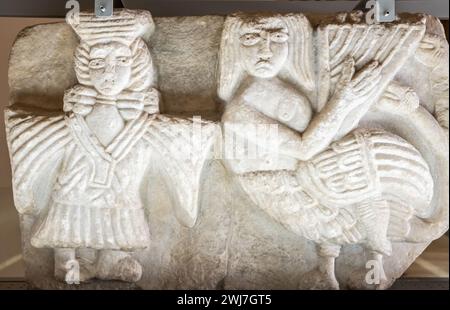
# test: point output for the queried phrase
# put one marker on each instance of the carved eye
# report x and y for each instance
(97, 63)
(249, 39)
(123, 60)
(279, 37)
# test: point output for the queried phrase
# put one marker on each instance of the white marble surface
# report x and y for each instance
(241, 240)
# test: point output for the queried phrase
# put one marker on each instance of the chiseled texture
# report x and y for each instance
(93, 162)
(240, 240)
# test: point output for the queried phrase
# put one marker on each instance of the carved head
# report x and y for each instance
(112, 56)
(265, 47)
(110, 67)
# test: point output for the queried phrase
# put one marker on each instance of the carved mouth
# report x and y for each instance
(263, 64)
(108, 85)
(107, 89)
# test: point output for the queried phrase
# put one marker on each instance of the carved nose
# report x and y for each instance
(265, 53)
(108, 78)
(110, 68)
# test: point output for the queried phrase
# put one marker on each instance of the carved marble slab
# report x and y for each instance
(111, 177)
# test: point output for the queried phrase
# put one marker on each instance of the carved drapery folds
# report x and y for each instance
(353, 155)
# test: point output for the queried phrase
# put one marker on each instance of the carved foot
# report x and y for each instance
(318, 279)
(73, 270)
(324, 277)
(376, 276)
(383, 282)
(116, 265)
(129, 270)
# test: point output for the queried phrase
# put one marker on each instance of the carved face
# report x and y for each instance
(110, 67)
(264, 47)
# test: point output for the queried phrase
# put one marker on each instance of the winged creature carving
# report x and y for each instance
(93, 160)
(329, 180)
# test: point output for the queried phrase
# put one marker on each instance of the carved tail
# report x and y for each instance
(405, 181)
(430, 212)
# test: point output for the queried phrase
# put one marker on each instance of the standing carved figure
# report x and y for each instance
(323, 180)
(94, 160)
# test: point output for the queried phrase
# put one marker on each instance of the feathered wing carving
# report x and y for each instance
(33, 142)
(344, 173)
(389, 45)
(370, 166)
(183, 146)
(322, 211)
(281, 195)
(333, 197)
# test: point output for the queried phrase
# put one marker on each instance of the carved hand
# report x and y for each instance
(353, 90)
(79, 99)
(432, 50)
(399, 97)
(131, 104)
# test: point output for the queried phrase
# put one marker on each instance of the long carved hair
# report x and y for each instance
(297, 69)
(142, 70)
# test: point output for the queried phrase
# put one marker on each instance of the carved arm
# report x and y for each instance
(352, 91)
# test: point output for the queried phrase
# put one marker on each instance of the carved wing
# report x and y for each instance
(280, 195)
(183, 146)
(33, 142)
(389, 45)
(371, 165)
(342, 174)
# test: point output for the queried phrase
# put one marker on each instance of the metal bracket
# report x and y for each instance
(382, 11)
(385, 11)
(104, 8)
(165, 8)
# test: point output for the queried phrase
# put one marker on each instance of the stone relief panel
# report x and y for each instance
(334, 151)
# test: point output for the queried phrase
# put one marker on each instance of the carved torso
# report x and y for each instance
(99, 184)
(278, 101)
(105, 122)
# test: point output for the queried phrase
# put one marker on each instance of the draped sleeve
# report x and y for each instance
(182, 147)
(34, 141)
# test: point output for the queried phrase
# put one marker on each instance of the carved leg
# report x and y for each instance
(374, 216)
(118, 265)
(64, 259)
(381, 275)
(323, 277)
(87, 259)
(328, 254)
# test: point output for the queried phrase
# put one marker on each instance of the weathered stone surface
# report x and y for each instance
(241, 239)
